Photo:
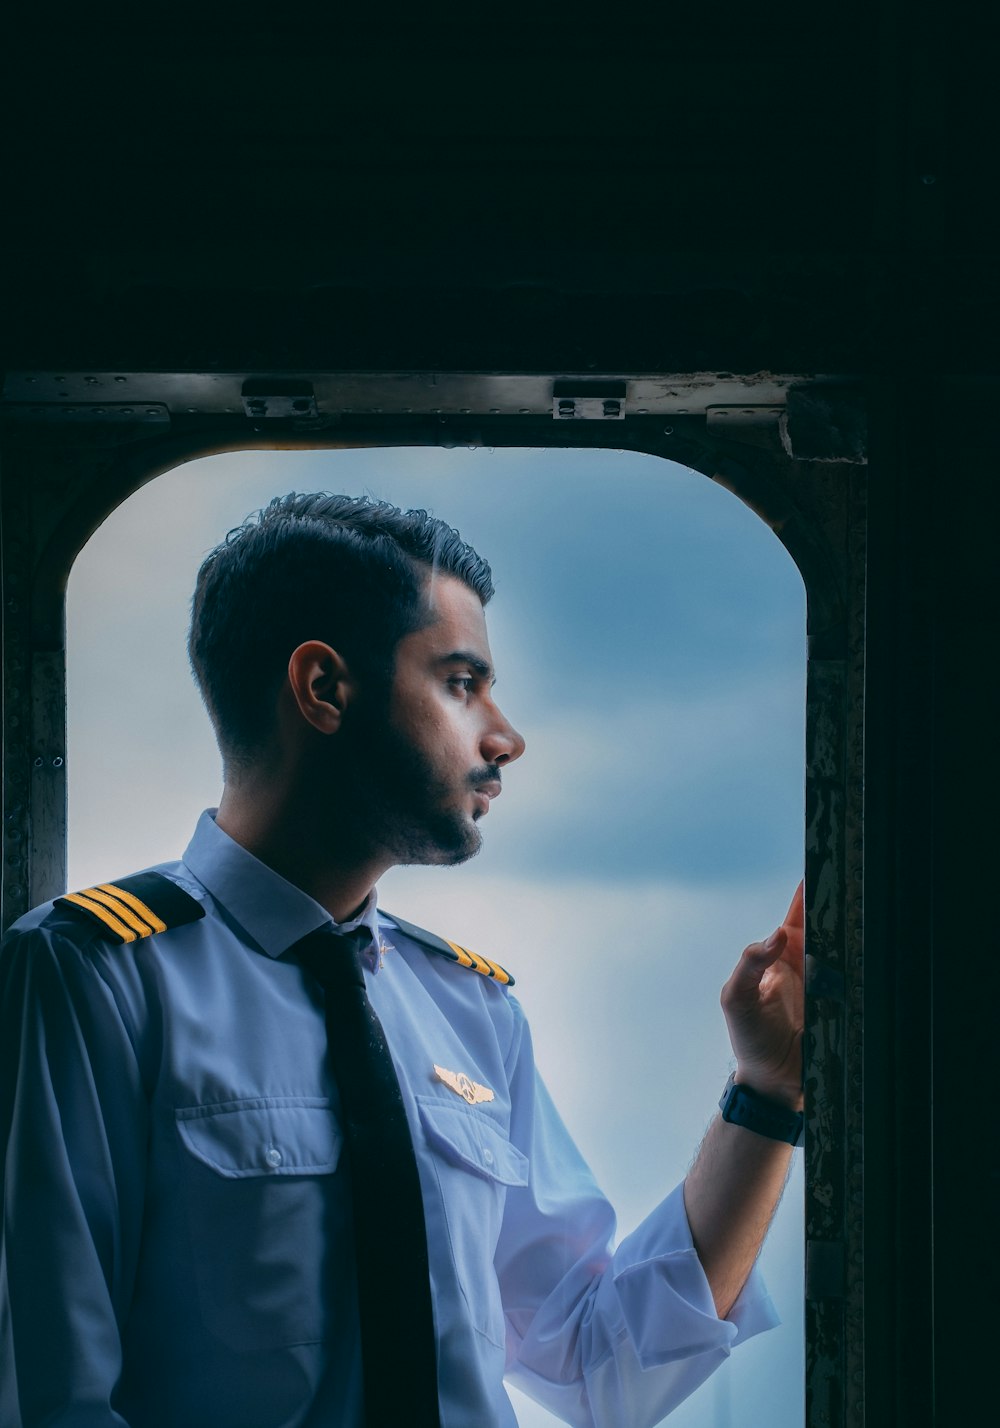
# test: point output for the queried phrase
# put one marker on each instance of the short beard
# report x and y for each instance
(408, 816)
(397, 802)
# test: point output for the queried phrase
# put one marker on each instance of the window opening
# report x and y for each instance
(648, 631)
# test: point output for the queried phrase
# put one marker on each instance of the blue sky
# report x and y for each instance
(649, 634)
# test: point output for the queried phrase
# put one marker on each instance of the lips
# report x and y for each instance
(484, 794)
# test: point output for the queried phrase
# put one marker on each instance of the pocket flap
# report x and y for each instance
(266, 1136)
(466, 1136)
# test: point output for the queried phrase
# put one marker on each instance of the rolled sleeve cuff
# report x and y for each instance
(665, 1299)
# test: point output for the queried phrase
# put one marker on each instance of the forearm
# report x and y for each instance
(733, 1188)
(599, 1335)
(730, 1195)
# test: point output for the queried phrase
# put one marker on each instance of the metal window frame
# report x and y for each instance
(63, 472)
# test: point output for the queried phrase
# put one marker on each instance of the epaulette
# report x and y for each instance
(454, 952)
(134, 907)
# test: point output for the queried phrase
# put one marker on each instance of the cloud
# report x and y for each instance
(696, 788)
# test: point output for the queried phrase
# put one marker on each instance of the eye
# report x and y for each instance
(465, 683)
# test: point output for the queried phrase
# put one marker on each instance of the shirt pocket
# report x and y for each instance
(267, 1207)
(474, 1164)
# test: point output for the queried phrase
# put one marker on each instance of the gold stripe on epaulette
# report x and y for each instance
(137, 905)
(500, 973)
(120, 909)
(90, 905)
(482, 965)
(463, 958)
(125, 909)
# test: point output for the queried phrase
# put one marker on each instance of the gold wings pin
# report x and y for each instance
(461, 1084)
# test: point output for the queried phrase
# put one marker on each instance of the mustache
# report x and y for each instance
(490, 773)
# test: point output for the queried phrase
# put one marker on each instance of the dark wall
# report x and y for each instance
(931, 1161)
(673, 188)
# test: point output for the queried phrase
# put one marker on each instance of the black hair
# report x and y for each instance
(341, 569)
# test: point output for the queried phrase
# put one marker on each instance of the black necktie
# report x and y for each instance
(398, 1343)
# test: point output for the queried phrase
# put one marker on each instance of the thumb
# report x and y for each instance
(744, 984)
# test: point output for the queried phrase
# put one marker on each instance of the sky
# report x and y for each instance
(649, 636)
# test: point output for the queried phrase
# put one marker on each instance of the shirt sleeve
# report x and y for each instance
(603, 1336)
(73, 1131)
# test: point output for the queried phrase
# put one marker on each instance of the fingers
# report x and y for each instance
(795, 916)
(761, 955)
(794, 925)
(750, 969)
(784, 942)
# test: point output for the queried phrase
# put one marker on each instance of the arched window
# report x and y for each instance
(649, 634)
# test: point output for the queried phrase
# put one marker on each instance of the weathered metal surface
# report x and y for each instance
(826, 425)
(835, 501)
(399, 393)
(47, 868)
(855, 511)
(68, 413)
(825, 1228)
(16, 557)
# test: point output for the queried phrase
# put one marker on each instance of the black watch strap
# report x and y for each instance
(742, 1106)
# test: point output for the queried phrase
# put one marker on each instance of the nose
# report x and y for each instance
(501, 744)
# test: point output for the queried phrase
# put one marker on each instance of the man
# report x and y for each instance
(189, 1232)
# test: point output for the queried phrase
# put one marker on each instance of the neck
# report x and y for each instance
(308, 840)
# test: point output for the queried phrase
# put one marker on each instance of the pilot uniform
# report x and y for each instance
(177, 1243)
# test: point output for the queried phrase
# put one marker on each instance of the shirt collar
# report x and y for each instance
(271, 910)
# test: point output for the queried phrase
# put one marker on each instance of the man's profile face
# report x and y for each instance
(434, 763)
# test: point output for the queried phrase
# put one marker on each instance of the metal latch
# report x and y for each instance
(278, 397)
(588, 401)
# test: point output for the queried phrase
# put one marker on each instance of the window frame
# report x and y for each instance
(57, 491)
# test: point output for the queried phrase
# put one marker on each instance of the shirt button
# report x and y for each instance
(487, 1155)
(273, 1157)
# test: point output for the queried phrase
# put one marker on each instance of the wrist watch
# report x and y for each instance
(742, 1106)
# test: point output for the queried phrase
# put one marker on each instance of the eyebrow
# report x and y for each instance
(478, 666)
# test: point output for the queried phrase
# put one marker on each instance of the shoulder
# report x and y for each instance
(453, 952)
(131, 908)
(124, 910)
(66, 963)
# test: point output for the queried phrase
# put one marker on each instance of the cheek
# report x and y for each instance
(446, 741)
(427, 724)
(410, 713)
(438, 727)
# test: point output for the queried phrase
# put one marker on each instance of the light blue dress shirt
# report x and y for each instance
(177, 1247)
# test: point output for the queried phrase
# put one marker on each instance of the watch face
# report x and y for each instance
(742, 1106)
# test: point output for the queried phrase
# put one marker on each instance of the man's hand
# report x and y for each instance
(735, 1183)
(763, 1006)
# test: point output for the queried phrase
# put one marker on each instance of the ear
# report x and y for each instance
(321, 685)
